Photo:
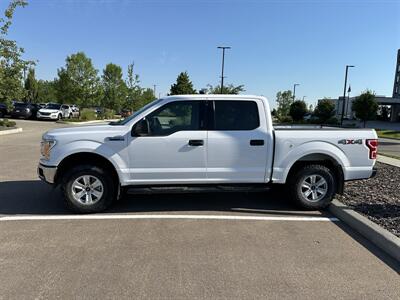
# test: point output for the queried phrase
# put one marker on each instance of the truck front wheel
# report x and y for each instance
(88, 189)
(313, 186)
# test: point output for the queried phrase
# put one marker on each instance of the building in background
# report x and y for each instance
(390, 104)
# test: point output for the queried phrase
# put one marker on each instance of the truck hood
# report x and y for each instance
(90, 132)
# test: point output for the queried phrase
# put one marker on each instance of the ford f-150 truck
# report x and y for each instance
(203, 142)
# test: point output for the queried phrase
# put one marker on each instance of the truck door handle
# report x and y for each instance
(116, 138)
(256, 142)
(196, 142)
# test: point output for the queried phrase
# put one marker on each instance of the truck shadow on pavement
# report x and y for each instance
(36, 197)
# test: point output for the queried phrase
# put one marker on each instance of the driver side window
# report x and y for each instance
(173, 117)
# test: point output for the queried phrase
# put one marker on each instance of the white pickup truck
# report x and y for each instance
(203, 142)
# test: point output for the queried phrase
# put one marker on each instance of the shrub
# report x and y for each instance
(285, 119)
(324, 111)
(332, 121)
(297, 110)
(106, 114)
(7, 123)
(88, 114)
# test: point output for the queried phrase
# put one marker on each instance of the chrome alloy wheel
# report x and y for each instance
(314, 188)
(87, 189)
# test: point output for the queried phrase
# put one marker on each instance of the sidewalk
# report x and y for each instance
(388, 160)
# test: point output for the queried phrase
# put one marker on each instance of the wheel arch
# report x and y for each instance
(321, 159)
(81, 158)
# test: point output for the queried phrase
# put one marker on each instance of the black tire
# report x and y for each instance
(1, 114)
(109, 190)
(298, 192)
(59, 117)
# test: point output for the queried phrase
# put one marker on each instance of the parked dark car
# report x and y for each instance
(126, 112)
(3, 110)
(24, 110)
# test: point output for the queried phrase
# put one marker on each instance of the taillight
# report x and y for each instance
(373, 148)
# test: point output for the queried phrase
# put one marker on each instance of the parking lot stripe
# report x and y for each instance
(165, 216)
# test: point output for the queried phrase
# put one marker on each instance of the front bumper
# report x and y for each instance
(49, 117)
(24, 115)
(47, 173)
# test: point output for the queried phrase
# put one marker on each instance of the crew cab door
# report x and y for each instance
(173, 149)
(237, 142)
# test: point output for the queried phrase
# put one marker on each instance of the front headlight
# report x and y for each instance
(45, 148)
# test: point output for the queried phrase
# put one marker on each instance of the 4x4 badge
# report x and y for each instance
(350, 142)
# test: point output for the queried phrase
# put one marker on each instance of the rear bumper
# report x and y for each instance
(47, 173)
(374, 171)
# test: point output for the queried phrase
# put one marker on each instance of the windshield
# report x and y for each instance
(20, 104)
(53, 106)
(138, 112)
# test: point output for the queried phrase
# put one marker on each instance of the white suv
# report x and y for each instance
(54, 111)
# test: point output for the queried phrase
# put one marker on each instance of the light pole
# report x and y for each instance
(344, 92)
(294, 91)
(348, 100)
(223, 62)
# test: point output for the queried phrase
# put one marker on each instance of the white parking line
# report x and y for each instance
(164, 216)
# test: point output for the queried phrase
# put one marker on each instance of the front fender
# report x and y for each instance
(284, 164)
(114, 154)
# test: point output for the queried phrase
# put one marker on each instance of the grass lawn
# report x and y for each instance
(394, 134)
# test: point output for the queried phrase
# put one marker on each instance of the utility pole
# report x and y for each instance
(223, 62)
(344, 92)
(294, 91)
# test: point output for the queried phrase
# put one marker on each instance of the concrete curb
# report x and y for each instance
(10, 131)
(379, 236)
(389, 160)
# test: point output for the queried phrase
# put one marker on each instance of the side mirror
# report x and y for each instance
(141, 128)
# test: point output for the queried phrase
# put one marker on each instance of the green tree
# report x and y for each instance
(228, 89)
(284, 100)
(31, 87)
(114, 87)
(46, 91)
(297, 110)
(146, 96)
(365, 106)
(78, 82)
(134, 91)
(183, 85)
(12, 65)
(324, 110)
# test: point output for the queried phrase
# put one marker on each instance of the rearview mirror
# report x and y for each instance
(141, 128)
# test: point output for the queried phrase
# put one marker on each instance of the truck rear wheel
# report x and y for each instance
(88, 189)
(313, 186)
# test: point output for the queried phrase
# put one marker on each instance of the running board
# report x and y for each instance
(196, 189)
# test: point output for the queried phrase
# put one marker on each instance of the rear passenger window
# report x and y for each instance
(236, 115)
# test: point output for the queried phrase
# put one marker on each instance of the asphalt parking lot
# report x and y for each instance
(174, 246)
